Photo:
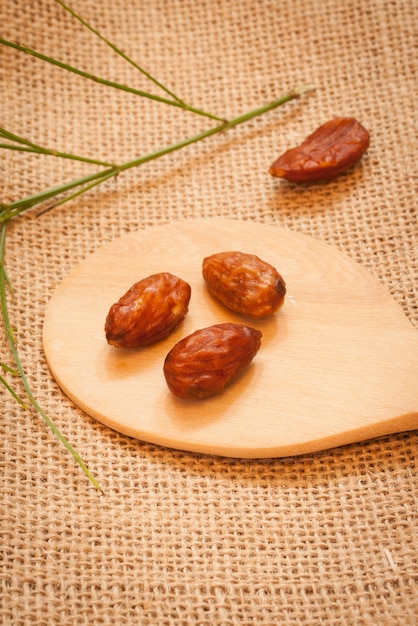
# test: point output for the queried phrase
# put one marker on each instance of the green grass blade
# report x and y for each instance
(120, 52)
(15, 208)
(77, 193)
(102, 81)
(10, 370)
(22, 373)
(12, 392)
(55, 153)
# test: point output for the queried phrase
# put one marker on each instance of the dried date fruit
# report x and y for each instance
(330, 150)
(244, 283)
(205, 362)
(148, 311)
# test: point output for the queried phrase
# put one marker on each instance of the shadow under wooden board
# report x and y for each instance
(338, 362)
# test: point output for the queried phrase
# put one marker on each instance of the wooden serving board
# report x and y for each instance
(338, 363)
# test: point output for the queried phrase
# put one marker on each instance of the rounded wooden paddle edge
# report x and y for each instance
(312, 385)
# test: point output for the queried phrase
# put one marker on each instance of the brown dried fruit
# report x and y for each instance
(244, 283)
(330, 150)
(148, 311)
(208, 360)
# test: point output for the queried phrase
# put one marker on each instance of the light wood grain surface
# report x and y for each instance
(338, 363)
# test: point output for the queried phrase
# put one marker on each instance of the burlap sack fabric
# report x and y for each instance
(182, 538)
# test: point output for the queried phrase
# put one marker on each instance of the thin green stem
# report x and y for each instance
(7, 134)
(13, 393)
(10, 370)
(217, 129)
(15, 208)
(8, 211)
(56, 153)
(77, 193)
(121, 53)
(20, 369)
(105, 82)
(28, 146)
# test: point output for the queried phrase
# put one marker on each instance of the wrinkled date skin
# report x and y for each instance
(244, 283)
(208, 360)
(329, 151)
(148, 311)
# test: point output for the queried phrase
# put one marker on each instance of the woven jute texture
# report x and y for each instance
(181, 538)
